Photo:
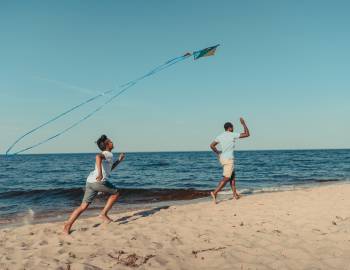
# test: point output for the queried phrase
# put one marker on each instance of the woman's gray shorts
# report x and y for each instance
(92, 189)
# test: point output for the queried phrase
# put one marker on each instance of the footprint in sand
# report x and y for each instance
(177, 240)
(61, 251)
(72, 255)
(157, 245)
(43, 243)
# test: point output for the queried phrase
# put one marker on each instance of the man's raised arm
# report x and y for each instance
(246, 133)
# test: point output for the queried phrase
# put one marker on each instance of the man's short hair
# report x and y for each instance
(228, 125)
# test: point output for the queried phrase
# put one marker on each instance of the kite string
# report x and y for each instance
(160, 67)
(70, 127)
(124, 87)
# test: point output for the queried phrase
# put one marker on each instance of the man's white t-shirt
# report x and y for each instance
(106, 167)
(227, 142)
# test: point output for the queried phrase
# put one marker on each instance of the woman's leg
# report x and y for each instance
(73, 217)
(111, 200)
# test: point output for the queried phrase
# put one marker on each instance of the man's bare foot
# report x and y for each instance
(66, 228)
(236, 196)
(105, 218)
(213, 196)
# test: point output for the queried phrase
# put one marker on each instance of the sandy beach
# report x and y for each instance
(299, 229)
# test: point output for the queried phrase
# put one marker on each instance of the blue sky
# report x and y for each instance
(283, 66)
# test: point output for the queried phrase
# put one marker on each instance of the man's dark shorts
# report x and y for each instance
(92, 189)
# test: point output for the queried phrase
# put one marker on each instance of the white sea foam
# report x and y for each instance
(264, 189)
(28, 218)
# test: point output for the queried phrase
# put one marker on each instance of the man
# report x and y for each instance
(227, 142)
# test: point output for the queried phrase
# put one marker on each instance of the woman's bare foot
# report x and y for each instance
(105, 218)
(213, 196)
(66, 228)
(236, 196)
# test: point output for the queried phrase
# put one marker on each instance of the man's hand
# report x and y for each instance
(242, 120)
(99, 177)
(121, 157)
(215, 150)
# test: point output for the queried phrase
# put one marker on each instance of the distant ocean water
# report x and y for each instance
(37, 186)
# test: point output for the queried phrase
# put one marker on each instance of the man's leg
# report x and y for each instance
(227, 166)
(111, 200)
(73, 217)
(233, 186)
(222, 183)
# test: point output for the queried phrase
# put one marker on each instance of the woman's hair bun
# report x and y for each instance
(101, 142)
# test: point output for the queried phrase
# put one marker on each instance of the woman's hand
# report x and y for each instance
(121, 157)
(99, 177)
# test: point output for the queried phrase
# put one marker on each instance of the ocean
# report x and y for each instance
(37, 187)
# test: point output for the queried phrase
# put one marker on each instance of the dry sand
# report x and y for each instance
(300, 229)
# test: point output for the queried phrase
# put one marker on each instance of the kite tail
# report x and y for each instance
(123, 88)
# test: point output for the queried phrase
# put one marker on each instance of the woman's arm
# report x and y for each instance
(120, 159)
(99, 158)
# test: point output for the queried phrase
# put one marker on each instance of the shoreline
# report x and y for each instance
(94, 211)
(60, 216)
(298, 229)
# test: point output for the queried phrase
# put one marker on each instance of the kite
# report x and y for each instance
(205, 52)
(114, 94)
